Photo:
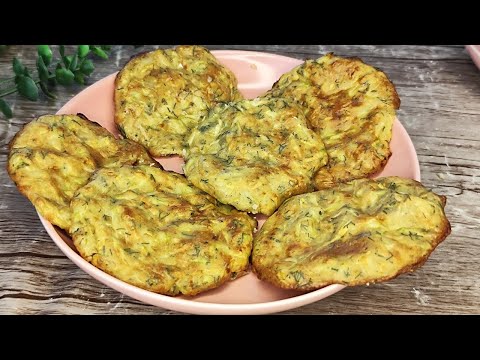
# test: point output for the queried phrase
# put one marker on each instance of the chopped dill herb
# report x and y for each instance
(297, 275)
(130, 251)
(196, 250)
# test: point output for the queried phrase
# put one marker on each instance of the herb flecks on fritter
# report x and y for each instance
(254, 154)
(352, 106)
(153, 229)
(55, 155)
(161, 95)
(356, 233)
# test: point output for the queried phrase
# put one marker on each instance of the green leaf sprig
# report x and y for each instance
(67, 70)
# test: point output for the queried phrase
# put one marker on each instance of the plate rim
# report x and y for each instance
(188, 305)
(474, 53)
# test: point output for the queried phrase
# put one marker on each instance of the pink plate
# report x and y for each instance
(474, 51)
(256, 72)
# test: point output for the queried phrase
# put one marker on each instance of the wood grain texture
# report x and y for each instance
(440, 91)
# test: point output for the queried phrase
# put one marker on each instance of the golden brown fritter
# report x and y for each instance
(153, 229)
(161, 95)
(254, 154)
(356, 233)
(54, 155)
(352, 106)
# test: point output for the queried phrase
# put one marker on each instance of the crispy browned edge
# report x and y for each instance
(120, 74)
(389, 83)
(10, 145)
(83, 116)
(378, 169)
(265, 274)
(117, 78)
(396, 103)
(161, 289)
(164, 291)
(12, 141)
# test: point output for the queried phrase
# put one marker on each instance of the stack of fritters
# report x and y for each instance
(324, 124)
(54, 155)
(132, 219)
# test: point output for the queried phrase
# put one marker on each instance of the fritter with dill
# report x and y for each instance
(352, 106)
(54, 155)
(153, 229)
(360, 232)
(254, 154)
(161, 95)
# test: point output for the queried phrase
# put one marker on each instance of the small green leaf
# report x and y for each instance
(46, 91)
(67, 60)
(18, 67)
(5, 109)
(27, 87)
(106, 47)
(99, 52)
(83, 50)
(73, 62)
(45, 52)
(79, 78)
(64, 76)
(87, 67)
(42, 70)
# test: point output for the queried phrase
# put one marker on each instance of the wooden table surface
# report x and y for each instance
(440, 91)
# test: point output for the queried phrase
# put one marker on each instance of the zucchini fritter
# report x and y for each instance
(54, 155)
(254, 154)
(360, 232)
(162, 94)
(352, 106)
(153, 229)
